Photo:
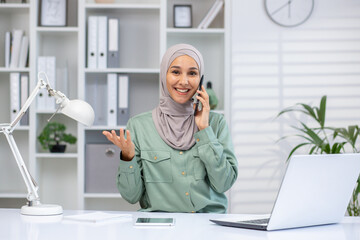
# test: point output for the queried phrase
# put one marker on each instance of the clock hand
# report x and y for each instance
(289, 14)
(277, 10)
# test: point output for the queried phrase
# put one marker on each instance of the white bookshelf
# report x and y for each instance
(145, 34)
(123, 70)
(12, 16)
(140, 6)
(57, 29)
(9, 70)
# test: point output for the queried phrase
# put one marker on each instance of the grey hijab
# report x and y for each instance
(175, 122)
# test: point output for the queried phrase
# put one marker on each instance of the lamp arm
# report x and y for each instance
(7, 129)
(33, 196)
(40, 84)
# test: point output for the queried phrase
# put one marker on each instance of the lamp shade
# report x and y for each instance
(78, 110)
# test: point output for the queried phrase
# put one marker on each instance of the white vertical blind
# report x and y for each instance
(275, 67)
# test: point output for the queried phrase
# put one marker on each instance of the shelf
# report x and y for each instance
(122, 6)
(219, 31)
(22, 128)
(14, 7)
(56, 155)
(96, 128)
(123, 70)
(13, 195)
(102, 195)
(53, 30)
(9, 70)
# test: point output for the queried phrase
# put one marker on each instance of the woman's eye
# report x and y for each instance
(175, 72)
(193, 73)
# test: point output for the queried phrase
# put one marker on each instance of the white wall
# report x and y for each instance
(275, 67)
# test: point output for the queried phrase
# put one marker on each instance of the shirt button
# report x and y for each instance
(155, 157)
(197, 140)
(187, 194)
(183, 173)
(131, 167)
(180, 153)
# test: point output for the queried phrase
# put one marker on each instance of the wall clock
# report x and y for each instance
(289, 13)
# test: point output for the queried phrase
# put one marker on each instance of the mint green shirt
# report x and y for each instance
(170, 180)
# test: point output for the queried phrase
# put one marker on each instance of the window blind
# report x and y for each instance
(275, 67)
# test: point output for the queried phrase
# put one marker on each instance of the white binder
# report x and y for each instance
(123, 104)
(7, 49)
(51, 74)
(113, 47)
(24, 94)
(14, 95)
(41, 97)
(96, 92)
(24, 51)
(16, 45)
(102, 42)
(111, 99)
(91, 95)
(92, 42)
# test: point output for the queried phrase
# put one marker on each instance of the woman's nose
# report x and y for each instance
(184, 80)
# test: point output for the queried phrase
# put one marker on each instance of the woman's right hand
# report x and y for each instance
(126, 146)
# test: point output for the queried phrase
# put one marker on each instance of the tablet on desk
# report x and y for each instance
(155, 222)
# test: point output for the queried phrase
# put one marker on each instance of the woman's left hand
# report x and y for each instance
(202, 117)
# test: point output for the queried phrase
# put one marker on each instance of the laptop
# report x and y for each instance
(315, 190)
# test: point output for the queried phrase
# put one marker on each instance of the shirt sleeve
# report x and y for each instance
(215, 150)
(129, 180)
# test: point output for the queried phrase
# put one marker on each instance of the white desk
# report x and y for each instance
(14, 226)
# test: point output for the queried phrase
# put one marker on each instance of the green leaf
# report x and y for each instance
(334, 147)
(312, 150)
(317, 140)
(296, 148)
(290, 109)
(309, 110)
(326, 148)
(322, 111)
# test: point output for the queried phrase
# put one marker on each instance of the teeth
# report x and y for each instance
(182, 90)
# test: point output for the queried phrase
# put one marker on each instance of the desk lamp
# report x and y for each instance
(76, 109)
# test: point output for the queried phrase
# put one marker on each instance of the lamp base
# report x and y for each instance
(42, 210)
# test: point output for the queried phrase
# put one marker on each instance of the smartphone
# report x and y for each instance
(199, 88)
(155, 222)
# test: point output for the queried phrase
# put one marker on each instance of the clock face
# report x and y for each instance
(289, 13)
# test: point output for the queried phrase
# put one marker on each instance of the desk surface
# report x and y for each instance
(15, 226)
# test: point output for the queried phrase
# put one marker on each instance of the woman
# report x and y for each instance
(171, 159)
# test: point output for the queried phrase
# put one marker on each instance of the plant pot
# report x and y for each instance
(60, 148)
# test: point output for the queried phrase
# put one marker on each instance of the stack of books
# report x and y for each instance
(16, 49)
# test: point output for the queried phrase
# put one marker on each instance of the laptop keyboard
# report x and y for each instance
(257, 221)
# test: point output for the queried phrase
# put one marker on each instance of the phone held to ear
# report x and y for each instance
(196, 100)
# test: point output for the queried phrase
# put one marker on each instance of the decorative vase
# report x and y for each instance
(59, 148)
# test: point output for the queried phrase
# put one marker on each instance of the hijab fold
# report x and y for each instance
(175, 122)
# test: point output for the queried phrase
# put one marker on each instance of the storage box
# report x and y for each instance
(101, 166)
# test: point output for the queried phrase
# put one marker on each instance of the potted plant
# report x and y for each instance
(53, 137)
(326, 140)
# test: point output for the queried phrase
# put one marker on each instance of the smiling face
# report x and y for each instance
(182, 79)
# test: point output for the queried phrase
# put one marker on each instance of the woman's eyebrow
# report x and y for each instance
(191, 68)
(174, 67)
